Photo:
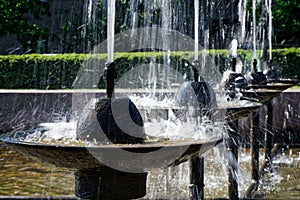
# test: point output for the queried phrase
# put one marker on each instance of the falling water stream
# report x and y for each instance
(254, 28)
(111, 29)
(270, 29)
(196, 51)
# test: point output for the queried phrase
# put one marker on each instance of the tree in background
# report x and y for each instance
(15, 17)
(286, 21)
(78, 33)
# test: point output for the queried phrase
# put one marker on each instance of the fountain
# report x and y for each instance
(234, 80)
(112, 146)
(263, 87)
(269, 79)
(260, 90)
(117, 157)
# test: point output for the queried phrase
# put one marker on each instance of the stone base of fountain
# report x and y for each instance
(108, 183)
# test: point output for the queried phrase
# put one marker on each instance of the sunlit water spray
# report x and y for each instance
(159, 118)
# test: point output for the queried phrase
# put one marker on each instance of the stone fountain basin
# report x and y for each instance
(285, 81)
(135, 157)
(141, 157)
(270, 86)
(237, 112)
(266, 92)
(261, 95)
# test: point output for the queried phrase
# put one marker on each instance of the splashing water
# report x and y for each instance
(234, 45)
(159, 121)
(58, 132)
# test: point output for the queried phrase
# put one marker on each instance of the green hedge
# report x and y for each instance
(37, 71)
(287, 62)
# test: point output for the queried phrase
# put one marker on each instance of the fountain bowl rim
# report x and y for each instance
(15, 141)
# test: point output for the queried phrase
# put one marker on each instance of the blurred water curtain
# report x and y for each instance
(67, 26)
(64, 26)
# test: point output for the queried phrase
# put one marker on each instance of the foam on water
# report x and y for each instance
(57, 132)
(170, 124)
(234, 103)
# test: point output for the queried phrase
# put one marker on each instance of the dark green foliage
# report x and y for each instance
(14, 17)
(36, 71)
(75, 32)
(286, 22)
(39, 71)
(287, 62)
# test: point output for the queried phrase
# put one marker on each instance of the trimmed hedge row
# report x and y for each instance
(287, 62)
(37, 71)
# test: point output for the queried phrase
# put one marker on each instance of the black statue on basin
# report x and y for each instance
(256, 77)
(234, 81)
(119, 119)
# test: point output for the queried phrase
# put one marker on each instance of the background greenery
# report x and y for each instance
(37, 71)
(14, 20)
(21, 19)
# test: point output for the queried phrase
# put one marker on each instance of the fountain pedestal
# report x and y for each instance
(108, 183)
(233, 146)
(197, 178)
(264, 93)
